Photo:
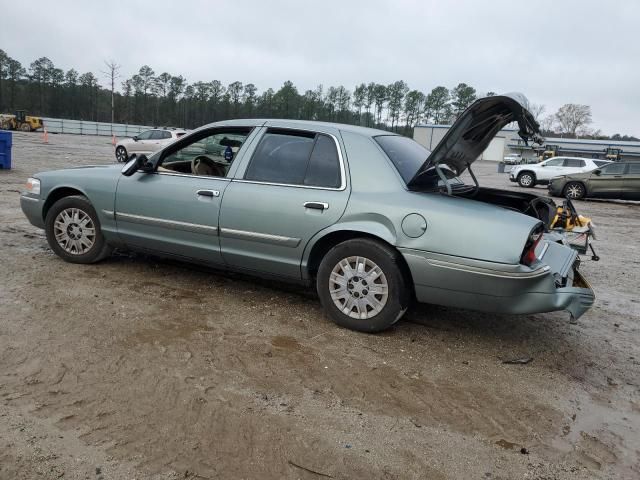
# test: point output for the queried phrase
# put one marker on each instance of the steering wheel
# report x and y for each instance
(202, 165)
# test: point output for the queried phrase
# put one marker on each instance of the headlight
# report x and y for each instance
(33, 186)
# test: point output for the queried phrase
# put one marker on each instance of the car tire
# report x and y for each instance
(25, 127)
(73, 231)
(121, 154)
(527, 180)
(574, 191)
(352, 297)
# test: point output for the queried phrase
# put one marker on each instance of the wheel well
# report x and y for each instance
(332, 239)
(526, 171)
(56, 195)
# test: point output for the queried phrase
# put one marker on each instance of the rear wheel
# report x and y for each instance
(527, 179)
(574, 190)
(121, 154)
(73, 231)
(361, 285)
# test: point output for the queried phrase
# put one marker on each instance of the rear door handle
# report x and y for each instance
(208, 193)
(316, 205)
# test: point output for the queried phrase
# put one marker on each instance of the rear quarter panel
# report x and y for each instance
(455, 226)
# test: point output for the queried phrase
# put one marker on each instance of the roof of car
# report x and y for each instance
(303, 124)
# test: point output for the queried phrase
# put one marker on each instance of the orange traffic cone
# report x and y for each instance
(45, 136)
(113, 140)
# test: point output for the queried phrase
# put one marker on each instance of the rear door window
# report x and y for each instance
(295, 158)
(165, 135)
(157, 135)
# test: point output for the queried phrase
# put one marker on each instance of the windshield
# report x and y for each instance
(406, 155)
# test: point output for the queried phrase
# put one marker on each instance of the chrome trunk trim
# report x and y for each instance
(539, 272)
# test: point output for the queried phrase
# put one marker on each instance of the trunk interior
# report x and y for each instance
(542, 208)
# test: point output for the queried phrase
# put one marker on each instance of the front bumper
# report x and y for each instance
(556, 186)
(32, 208)
(500, 288)
(513, 175)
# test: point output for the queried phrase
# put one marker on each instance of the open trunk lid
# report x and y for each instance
(472, 132)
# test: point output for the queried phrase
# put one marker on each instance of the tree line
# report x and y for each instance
(165, 99)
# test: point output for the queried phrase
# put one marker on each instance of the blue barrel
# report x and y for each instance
(5, 149)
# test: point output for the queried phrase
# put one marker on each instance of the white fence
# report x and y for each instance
(81, 127)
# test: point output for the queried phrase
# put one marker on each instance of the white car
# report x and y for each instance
(512, 159)
(541, 173)
(147, 142)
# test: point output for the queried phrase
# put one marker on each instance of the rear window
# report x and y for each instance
(600, 163)
(406, 155)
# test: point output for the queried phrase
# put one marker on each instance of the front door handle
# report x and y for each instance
(316, 205)
(208, 193)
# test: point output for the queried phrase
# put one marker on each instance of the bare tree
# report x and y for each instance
(573, 117)
(112, 74)
(547, 123)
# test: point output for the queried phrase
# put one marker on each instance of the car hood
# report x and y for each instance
(472, 132)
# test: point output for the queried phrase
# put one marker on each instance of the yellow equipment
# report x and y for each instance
(551, 151)
(613, 154)
(20, 121)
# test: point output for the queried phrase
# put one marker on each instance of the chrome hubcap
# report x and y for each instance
(74, 231)
(574, 191)
(358, 287)
(525, 180)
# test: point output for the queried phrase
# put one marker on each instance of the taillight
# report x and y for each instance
(529, 254)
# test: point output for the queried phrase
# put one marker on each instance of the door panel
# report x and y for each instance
(267, 227)
(169, 213)
(609, 183)
(631, 184)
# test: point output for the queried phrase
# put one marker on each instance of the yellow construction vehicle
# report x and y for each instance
(613, 154)
(550, 151)
(20, 121)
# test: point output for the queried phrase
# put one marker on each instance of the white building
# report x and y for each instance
(507, 141)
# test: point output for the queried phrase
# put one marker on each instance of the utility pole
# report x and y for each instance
(112, 74)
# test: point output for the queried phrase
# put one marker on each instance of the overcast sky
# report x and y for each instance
(554, 52)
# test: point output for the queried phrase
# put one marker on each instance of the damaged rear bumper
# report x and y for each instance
(554, 283)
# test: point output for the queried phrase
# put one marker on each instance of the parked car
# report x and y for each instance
(541, 173)
(147, 142)
(513, 159)
(616, 180)
(372, 219)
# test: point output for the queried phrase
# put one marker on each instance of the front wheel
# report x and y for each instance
(361, 285)
(25, 127)
(574, 190)
(527, 180)
(121, 154)
(73, 231)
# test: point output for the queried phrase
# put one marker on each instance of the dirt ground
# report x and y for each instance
(142, 368)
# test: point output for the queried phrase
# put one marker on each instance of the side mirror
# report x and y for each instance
(597, 171)
(135, 163)
(135, 138)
